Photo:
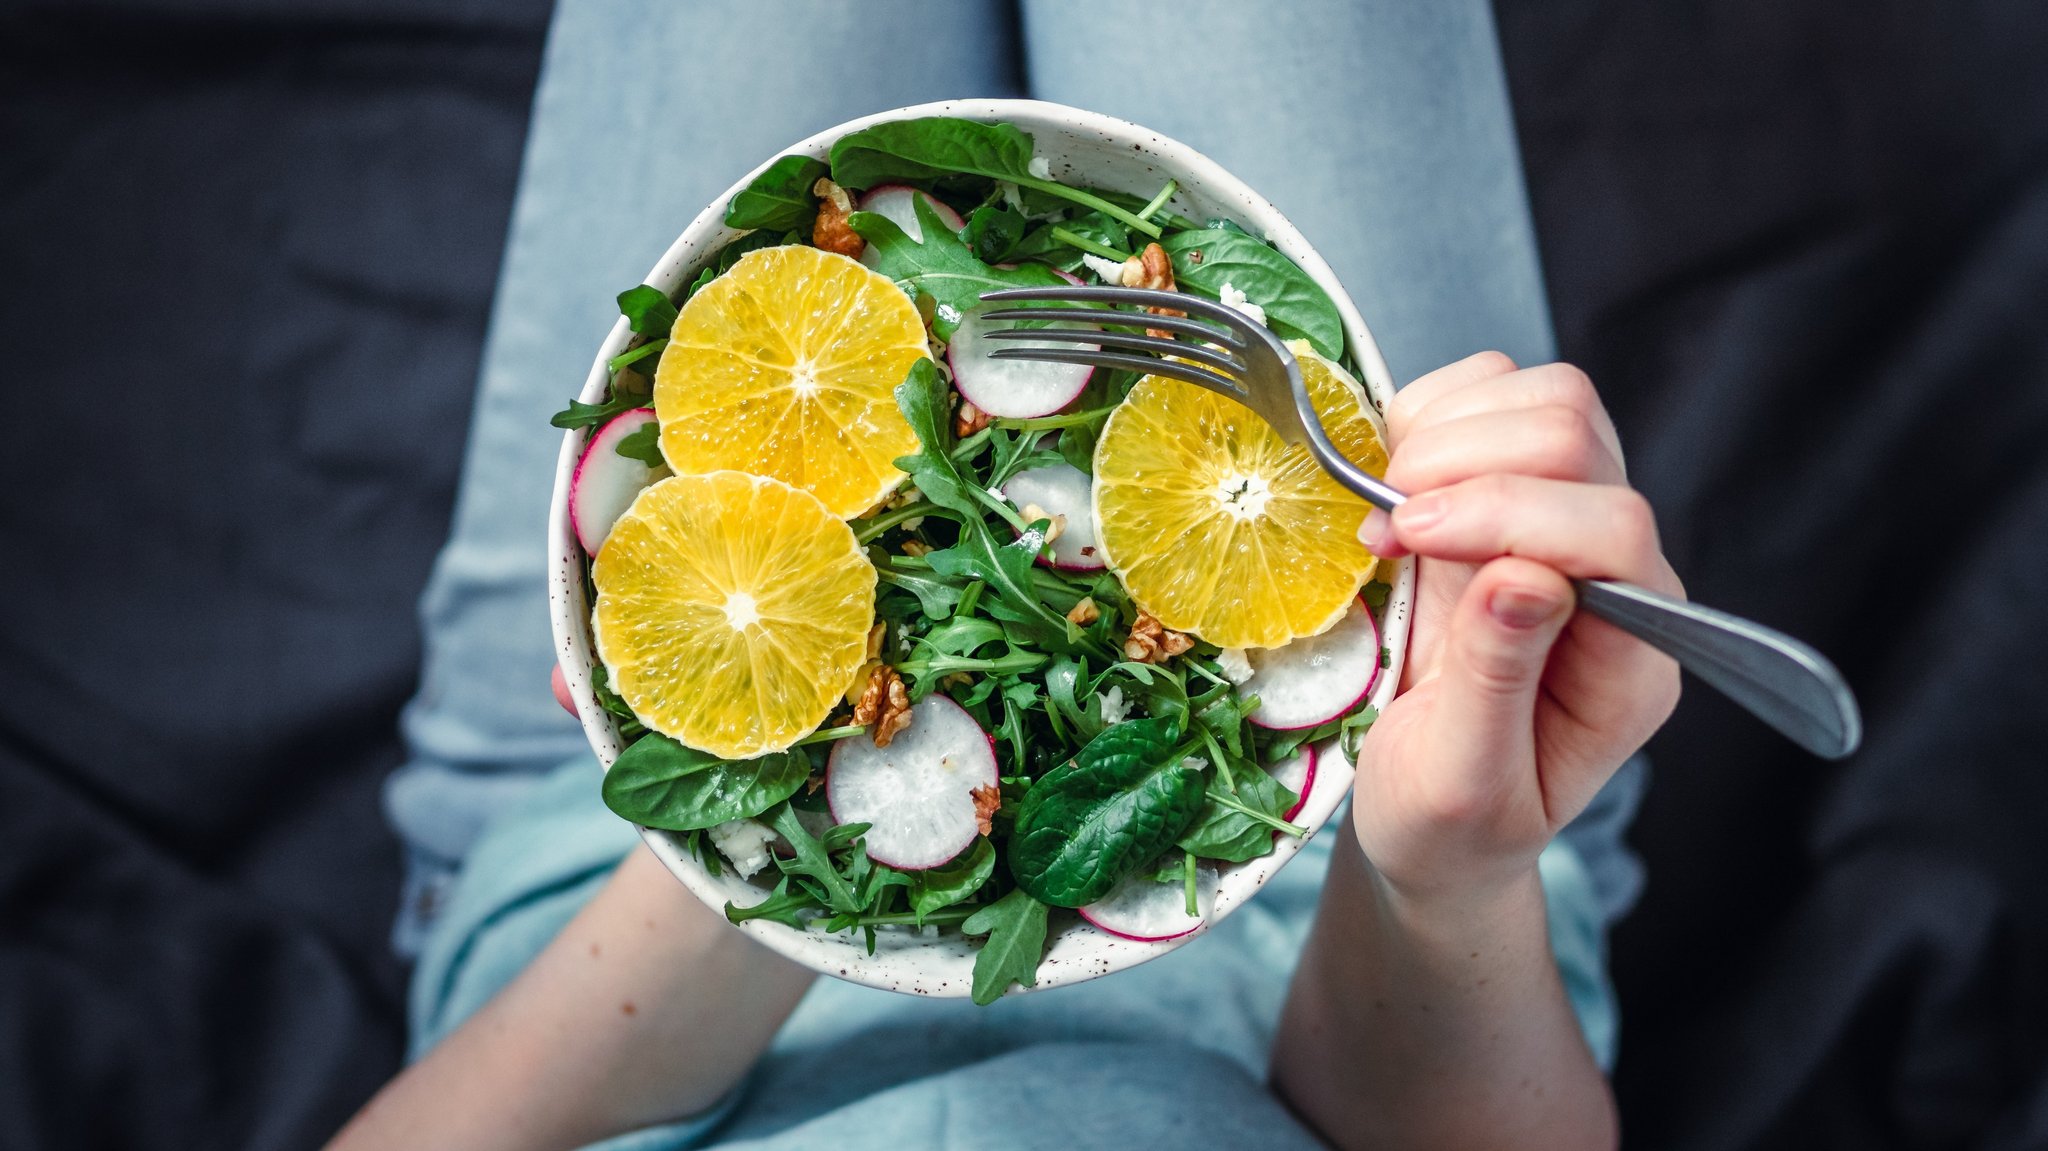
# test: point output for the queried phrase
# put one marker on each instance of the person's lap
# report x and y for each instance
(1382, 129)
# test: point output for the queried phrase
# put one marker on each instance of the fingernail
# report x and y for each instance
(1421, 512)
(1376, 531)
(1521, 608)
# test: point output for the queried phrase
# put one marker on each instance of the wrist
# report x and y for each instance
(1476, 906)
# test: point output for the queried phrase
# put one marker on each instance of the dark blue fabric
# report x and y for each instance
(248, 249)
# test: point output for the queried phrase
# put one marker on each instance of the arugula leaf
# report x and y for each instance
(940, 266)
(1015, 926)
(935, 597)
(647, 310)
(927, 404)
(778, 198)
(1007, 571)
(1376, 593)
(1222, 832)
(644, 444)
(658, 782)
(951, 883)
(788, 904)
(814, 858)
(1012, 453)
(1207, 258)
(581, 415)
(1117, 804)
(1051, 243)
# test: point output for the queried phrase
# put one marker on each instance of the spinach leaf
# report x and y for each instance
(950, 883)
(927, 404)
(940, 266)
(938, 146)
(1121, 800)
(924, 149)
(1206, 259)
(647, 310)
(644, 444)
(778, 198)
(1225, 833)
(1015, 926)
(992, 233)
(658, 782)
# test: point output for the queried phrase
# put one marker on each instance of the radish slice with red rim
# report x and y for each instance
(917, 794)
(1012, 389)
(1316, 678)
(1062, 490)
(899, 203)
(605, 482)
(1147, 910)
(1296, 773)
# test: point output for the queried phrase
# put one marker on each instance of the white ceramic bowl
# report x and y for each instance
(1095, 150)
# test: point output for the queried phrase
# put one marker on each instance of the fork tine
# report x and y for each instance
(1126, 341)
(1179, 324)
(1200, 377)
(1235, 320)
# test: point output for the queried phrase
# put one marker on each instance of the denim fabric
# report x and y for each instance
(1382, 128)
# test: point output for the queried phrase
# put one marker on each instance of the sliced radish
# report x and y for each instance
(1296, 773)
(1316, 678)
(1144, 909)
(899, 203)
(1013, 389)
(606, 482)
(1062, 490)
(917, 794)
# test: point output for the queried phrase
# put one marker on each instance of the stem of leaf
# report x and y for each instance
(1294, 830)
(1187, 869)
(965, 449)
(894, 516)
(942, 915)
(1088, 199)
(999, 506)
(1077, 240)
(831, 735)
(1145, 213)
(636, 354)
(1052, 423)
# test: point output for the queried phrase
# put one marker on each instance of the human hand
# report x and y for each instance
(1513, 710)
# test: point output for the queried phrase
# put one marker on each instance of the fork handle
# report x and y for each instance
(1776, 678)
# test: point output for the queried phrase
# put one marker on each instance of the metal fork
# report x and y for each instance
(1780, 680)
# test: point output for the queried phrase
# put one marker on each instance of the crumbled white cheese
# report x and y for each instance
(949, 313)
(745, 843)
(1114, 709)
(1232, 298)
(1194, 763)
(1040, 167)
(1232, 663)
(998, 494)
(1011, 195)
(1110, 271)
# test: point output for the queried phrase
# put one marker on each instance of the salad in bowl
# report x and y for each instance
(951, 674)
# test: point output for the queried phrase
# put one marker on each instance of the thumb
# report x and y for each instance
(1499, 638)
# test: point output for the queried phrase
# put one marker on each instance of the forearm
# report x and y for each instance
(1422, 1026)
(646, 1008)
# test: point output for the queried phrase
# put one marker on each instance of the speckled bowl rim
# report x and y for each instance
(907, 962)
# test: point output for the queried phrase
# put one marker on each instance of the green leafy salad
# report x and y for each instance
(1046, 730)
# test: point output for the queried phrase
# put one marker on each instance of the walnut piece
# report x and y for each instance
(1085, 612)
(831, 231)
(1151, 642)
(1152, 269)
(1054, 524)
(969, 419)
(883, 705)
(987, 798)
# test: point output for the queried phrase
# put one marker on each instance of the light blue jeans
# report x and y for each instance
(1381, 128)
